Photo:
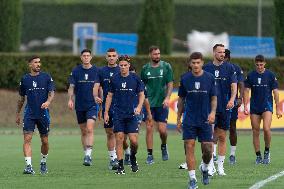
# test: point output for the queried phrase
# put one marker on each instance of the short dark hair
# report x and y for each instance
(259, 58)
(32, 58)
(195, 55)
(132, 68)
(86, 50)
(124, 58)
(152, 48)
(111, 50)
(227, 54)
(217, 45)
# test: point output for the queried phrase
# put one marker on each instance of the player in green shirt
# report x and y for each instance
(158, 78)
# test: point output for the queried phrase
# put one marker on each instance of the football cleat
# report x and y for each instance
(150, 159)
(232, 160)
(258, 160)
(165, 154)
(192, 184)
(266, 158)
(87, 161)
(183, 166)
(113, 164)
(43, 168)
(205, 176)
(120, 171)
(29, 170)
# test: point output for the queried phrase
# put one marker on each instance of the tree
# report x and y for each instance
(279, 26)
(156, 26)
(10, 25)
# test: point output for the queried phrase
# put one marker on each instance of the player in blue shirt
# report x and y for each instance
(82, 80)
(198, 101)
(262, 83)
(226, 86)
(124, 88)
(38, 87)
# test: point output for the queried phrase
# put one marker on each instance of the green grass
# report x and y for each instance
(66, 170)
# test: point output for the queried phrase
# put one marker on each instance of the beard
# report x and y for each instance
(37, 69)
(157, 60)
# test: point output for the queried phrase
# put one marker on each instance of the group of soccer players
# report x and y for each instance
(207, 107)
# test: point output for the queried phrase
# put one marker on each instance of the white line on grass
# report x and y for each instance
(263, 182)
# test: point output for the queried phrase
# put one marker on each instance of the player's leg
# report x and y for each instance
(267, 119)
(221, 150)
(132, 128)
(126, 151)
(233, 141)
(149, 138)
(28, 129)
(255, 124)
(162, 118)
(119, 137)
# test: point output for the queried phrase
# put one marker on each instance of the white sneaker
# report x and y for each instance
(211, 170)
(183, 166)
(220, 170)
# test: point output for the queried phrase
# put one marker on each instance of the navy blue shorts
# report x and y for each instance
(110, 121)
(160, 114)
(125, 125)
(260, 112)
(42, 124)
(83, 116)
(222, 120)
(234, 113)
(202, 132)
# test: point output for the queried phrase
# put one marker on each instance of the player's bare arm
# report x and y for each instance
(276, 100)
(71, 96)
(180, 107)
(97, 93)
(107, 106)
(140, 103)
(230, 104)
(211, 116)
(246, 100)
(169, 93)
(20, 104)
(46, 104)
(241, 87)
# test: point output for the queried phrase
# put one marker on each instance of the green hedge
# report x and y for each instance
(57, 19)
(13, 66)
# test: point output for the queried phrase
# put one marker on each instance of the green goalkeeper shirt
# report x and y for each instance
(156, 80)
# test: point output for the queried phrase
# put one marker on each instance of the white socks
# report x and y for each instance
(112, 155)
(233, 150)
(191, 174)
(214, 149)
(88, 152)
(28, 160)
(43, 158)
(127, 151)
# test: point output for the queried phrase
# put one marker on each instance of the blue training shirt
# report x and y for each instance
(105, 73)
(197, 92)
(224, 75)
(36, 88)
(261, 85)
(84, 80)
(125, 91)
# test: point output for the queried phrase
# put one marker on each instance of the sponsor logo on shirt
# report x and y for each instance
(86, 76)
(197, 85)
(148, 73)
(161, 72)
(110, 74)
(259, 80)
(123, 85)
(216, 73)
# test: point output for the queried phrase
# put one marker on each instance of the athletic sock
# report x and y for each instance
(266, 149)
(112, 155)
(28, 160)
(214, 149)
(221, 160)
(150, 151)
(127, 151)
(205, 167)
(43, 158)
(233, 150)
(88, 151)
(258, 153)
(191, 174)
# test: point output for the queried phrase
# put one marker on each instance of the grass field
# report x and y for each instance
(66, 169)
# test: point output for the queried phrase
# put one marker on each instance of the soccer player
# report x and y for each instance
(226, 87)
(157, 75)
(82, 80)
(262, 83)
(234, 113)
(38, 87)
(198, 101)
(124, 89)
(105, 73)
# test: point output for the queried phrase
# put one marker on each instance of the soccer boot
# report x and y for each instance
(87, 161)
(204, 176)
(192, 184)
(150, 159)
(43, 168)
(183, 166)
(232, 160)
(258, 160)
(29, 170)
(120, 171)
(266, 158)
(113, 164)
(165, 154)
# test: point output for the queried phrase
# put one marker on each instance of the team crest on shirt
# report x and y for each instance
(110, 74)
(259, 80)
(123, 85)
(197, 85)
(216, 73)
(148, 73)
(34, 84)
(161, 72)
(86, 76)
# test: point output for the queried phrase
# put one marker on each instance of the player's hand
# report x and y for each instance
(239, 102)
(70, 104)
(179, 129)
(230, 105)
(246, 111)
(45, 105)
(106, 118)
(278, 113)
(18, 118)
(166, 102)
(98, 100)
(137, 110)
(211, 118)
